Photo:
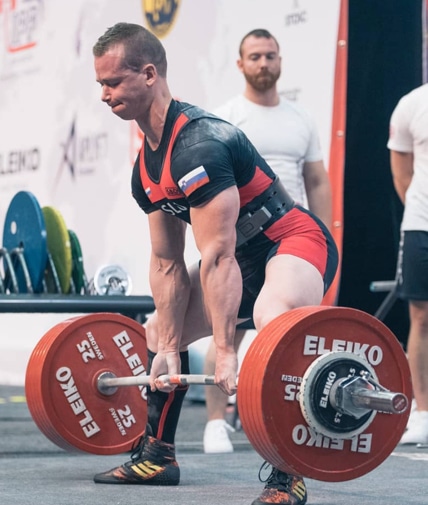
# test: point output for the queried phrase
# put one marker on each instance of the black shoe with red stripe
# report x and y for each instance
(282, 489)
(152, 464)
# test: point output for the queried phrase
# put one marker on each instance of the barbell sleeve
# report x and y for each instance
(383, 401)
(355, 396)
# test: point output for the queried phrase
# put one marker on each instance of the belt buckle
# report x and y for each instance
(249, 225)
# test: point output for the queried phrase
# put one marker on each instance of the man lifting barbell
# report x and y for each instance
(261, 255)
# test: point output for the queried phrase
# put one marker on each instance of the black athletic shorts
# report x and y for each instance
(306, 237)
(413, 274)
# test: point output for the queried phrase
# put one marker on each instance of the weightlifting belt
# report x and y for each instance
(265, 209)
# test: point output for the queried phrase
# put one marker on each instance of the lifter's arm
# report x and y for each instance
(215, 235)
(170, 286)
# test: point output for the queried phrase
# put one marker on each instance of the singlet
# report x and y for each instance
(199, 156)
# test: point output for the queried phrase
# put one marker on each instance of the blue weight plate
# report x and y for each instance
(24, 227)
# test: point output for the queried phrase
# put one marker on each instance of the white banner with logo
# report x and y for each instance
(60, 142)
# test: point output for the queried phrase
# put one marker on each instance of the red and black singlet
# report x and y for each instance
(199, 156)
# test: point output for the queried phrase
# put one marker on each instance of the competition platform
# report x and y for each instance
(34, 470)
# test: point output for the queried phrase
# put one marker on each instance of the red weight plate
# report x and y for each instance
(269, 384)
(61, 383)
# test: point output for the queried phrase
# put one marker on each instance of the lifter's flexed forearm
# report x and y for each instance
(215, 235)
(170, 285)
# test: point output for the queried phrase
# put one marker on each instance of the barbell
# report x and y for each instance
(322, 391)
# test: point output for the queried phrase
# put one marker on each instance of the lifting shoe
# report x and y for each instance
(282, 489)
(152, 463)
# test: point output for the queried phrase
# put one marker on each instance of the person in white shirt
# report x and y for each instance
(286, 136)
(408, 145)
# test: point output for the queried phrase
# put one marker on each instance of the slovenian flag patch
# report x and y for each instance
(193, 180)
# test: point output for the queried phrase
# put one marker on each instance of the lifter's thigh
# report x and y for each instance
(290, 282)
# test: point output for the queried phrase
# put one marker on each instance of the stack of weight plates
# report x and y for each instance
(39, 253)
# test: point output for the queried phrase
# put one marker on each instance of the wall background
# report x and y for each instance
(60, 142)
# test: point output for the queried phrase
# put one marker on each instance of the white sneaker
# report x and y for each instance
(216, 438)
(417, 428)
(413, 414)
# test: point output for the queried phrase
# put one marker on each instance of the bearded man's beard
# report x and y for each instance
(263, 81)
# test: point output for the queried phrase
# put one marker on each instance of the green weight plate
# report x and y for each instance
(59, 248)
(78, 270)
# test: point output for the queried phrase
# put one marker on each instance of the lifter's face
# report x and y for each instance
(125, 91)
(260, 62)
